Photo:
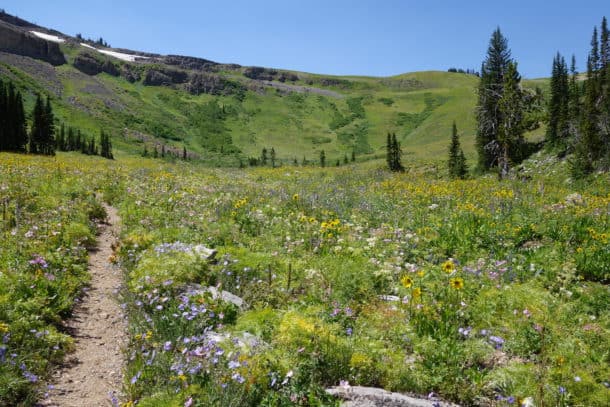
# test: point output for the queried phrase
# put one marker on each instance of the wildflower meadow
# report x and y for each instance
(266, 286)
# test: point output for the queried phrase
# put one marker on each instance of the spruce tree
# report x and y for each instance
(264, 156)
(396, 155)
(37, 130)
(49, 129)
(510, 133)
(557, 132)
(457, 161)
(491, 90)
(322, 159)
(273, 157)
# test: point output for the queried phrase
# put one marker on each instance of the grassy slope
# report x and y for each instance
(419, 107)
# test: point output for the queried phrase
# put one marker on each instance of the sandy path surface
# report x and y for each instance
(99, 328)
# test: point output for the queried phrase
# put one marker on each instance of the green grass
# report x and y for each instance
(296, 125)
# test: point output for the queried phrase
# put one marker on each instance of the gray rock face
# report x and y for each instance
(359, 396)
(16, 41)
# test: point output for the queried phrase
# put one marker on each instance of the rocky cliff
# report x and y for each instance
(20, 42)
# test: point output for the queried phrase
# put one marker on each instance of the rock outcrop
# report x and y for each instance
(90, 64)
(20, 42)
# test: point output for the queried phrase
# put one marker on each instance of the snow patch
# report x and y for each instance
(120, 55)
(48, 37)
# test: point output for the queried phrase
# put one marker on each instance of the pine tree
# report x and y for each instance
(273, 157)
(37, 130)
(184, 154)
(457, 162)
(264, 156)
(491, 90)
(353, 156)
(49, 130)
(322, 159)
(558, 131)
(510, 134)
(60, 142)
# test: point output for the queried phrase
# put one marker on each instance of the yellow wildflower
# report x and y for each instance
(456, 283)
(406, 281)
(3, 327)
(416, 293)
(448, 266)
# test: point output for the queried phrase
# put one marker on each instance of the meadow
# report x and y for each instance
(482, 292)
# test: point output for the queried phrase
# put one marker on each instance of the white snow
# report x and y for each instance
(119, 55)
(48, 37)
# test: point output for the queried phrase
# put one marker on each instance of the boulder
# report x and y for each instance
(196, 289)
(360, 396)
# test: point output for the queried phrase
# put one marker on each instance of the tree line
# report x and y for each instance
(579, 108)
(42, 138)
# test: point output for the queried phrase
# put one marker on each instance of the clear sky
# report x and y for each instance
(360, 37)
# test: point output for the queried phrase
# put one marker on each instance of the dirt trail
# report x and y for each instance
(99, 330)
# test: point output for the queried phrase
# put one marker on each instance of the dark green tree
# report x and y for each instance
(264, 157)
(457, 162)
(558, 129)
(394, 154)
(273, 158)
(510, 135)
(322, 159)
(490, 91)
(37, 136)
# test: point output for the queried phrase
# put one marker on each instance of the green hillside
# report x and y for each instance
(298, 119)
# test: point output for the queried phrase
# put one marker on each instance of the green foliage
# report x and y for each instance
(457, 162)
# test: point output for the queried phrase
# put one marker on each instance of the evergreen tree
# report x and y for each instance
(37, 131)
(510, 134)
(60, 142)
(558, 130)
(322, 159)
(105, 145)
(184, 154)
(393, 153)
(353, 156)
(273, 157)
(345, 160)
(491, 90)
(264, 156)
(48, 143)
(574, 100)
(457, 162)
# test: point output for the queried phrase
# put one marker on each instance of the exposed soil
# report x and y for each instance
(98, 326)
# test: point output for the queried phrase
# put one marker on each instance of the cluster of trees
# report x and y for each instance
(13, 133)
(73, 140)
(100, 41)
(466, 71)
(579, 110)
(504, 110)
(162, 152)
(42, 138)
(13, 127)
(393, 154)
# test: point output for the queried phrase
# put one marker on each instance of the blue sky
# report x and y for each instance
(359, 37)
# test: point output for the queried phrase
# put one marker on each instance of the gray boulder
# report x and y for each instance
(360, 396)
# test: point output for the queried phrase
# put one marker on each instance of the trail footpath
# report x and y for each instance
(94, 370)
